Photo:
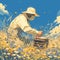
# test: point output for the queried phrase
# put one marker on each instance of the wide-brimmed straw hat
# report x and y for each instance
(31, 10)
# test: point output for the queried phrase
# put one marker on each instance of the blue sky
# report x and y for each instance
(47, 9)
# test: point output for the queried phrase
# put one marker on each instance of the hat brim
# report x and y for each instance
(37, 15)
(31, 13)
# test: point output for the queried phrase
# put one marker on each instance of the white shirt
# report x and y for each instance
(21, 22)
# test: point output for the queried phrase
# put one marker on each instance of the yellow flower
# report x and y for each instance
(58, 57)
(10, 50)
(3, 35)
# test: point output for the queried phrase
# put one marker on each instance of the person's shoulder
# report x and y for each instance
(20, 18)
(21, 15)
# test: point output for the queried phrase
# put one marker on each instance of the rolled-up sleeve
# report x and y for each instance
(24, 25)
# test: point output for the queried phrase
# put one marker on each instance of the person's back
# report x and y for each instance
(13, 31)
(14, 24)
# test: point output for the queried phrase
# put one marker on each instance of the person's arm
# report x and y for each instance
(24, 25)
(30, 30)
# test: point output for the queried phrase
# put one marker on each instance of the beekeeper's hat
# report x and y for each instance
(31, 10)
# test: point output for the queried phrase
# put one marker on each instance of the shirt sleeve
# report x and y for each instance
(24, 25)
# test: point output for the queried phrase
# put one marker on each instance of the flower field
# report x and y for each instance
(29, 52)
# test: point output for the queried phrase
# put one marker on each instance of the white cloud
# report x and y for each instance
(3, 10)
(57, 19)
(56, 29)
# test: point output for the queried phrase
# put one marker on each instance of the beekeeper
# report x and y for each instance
(21, 23)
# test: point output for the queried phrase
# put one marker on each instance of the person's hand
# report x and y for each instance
(39, 34)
